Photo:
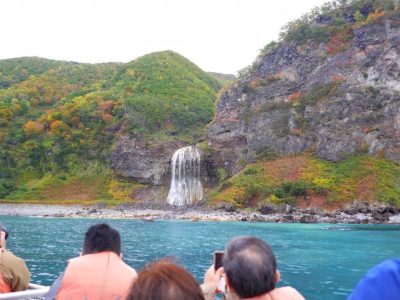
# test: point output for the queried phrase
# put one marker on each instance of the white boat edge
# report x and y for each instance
(35, 291)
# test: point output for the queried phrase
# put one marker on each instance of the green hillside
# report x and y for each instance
(165, 92)
(15, 70)
(224, 79)
(58, 124)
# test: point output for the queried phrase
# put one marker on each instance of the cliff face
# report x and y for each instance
(149, 164)
(309, 97)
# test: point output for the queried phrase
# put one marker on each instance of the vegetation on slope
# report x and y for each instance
(165, 92)
(306, 180)
(91, 184)
(224, 79)
(15, 70)
(325, 23)
(58, 126)
(332, 24)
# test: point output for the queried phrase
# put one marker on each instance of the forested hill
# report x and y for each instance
(59, 120)
(15, 70)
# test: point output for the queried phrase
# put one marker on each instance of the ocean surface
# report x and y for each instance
(322, 261)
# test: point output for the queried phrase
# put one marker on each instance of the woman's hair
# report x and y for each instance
(165, 280)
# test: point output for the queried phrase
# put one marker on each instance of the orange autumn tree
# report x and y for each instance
(32, 128)
(107, 118)
(106, 106)
(57, 127)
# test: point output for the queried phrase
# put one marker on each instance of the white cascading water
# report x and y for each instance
(186, 186)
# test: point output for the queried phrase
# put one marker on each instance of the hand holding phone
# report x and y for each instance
(217, 259)
(214, 281)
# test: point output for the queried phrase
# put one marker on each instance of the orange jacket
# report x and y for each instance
(4, 287)
(14, 274)
(96, 276)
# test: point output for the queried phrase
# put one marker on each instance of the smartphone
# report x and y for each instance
(217, 259)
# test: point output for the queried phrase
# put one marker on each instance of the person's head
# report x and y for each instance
(3, 237)
(250, 267)
(3, 229)
(101, 237)
(164, 280)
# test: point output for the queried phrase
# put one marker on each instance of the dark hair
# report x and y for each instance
(164, 280)
(102, 237)
(250, 266)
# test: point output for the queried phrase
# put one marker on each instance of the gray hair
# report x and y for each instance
(250, 266)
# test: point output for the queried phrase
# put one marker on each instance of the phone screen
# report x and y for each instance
(217, 259)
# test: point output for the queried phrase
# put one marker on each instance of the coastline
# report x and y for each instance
(351, 215)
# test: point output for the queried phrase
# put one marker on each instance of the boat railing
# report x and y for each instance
(34, 292)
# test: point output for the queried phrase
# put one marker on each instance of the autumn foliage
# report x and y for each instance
(59, 119)
(375, 16)
(106, 106)
(295, 97)
(339, 42)
(57, 127)
(296, 180)
(32, 128)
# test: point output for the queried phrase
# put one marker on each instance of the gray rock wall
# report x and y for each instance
(143, 161)
(359, 110)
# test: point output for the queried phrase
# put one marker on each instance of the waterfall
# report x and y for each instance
(186, 186)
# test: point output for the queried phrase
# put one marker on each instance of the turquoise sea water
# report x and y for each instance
(322, 261)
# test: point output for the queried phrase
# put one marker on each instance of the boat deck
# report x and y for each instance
(34, 292)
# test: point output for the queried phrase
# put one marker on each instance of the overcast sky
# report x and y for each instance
(217, 35)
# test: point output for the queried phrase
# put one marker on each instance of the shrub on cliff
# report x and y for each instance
(332, 23)
(303, 178)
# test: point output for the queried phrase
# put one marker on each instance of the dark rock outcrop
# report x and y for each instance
(273, 209)
(226, 207)
(143, 161)
(308, 219)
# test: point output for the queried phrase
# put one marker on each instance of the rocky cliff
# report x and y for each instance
(311, 98)
(144, 162)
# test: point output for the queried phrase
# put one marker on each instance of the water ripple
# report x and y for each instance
(322, 262)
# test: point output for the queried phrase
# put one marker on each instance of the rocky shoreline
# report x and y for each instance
(356, 213)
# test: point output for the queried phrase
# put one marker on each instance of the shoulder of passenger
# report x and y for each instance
(286, 293)
(11, 256)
